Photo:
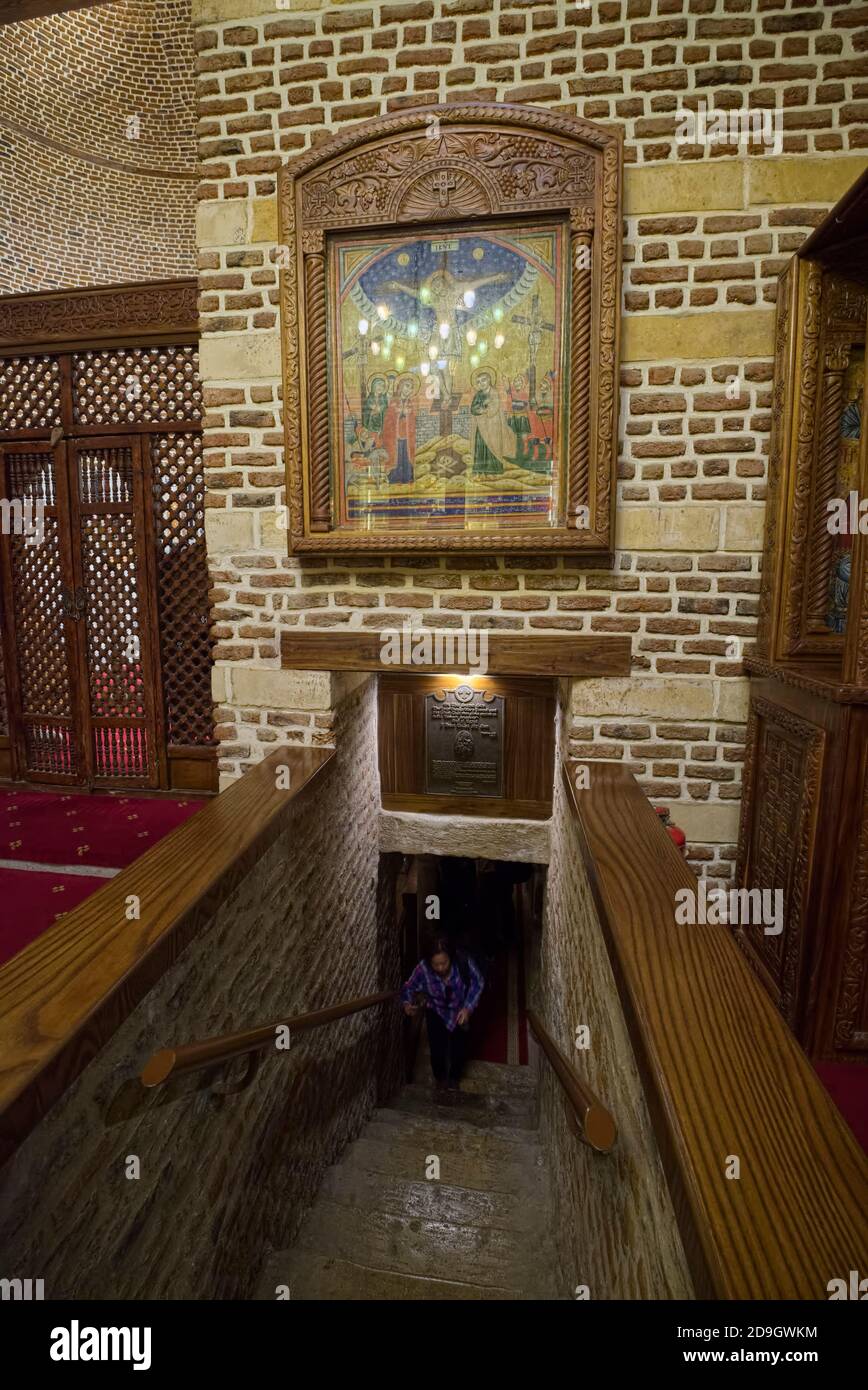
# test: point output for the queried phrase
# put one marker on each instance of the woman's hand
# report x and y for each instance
(411, 1010)
(463, 1017)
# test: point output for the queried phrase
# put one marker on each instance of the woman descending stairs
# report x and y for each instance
(384, 1227)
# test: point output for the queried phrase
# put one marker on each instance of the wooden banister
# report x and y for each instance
(170, 1061)
(722, 1073)
(65, 994)
(596, 1124)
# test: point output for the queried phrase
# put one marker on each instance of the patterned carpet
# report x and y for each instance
(57, 848)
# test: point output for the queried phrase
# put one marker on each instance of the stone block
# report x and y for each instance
(219, 685)
(731, 705)
(239, 357)
(223, 223)
(697, 337)
(273, 534)
(267, 688)
(717, 186)
(524, 840)
(743, 527)
(796, 181)
(652, 696)
(692, 528)
(264, 219)
(706, 823)
(228, 529)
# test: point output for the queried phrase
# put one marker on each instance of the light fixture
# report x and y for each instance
(363, 326)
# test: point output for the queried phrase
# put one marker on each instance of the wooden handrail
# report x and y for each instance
(170, 1061)
(65, 995)
(722, 1073)
(596, 1124)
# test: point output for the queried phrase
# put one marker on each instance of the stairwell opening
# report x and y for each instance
(492, 911)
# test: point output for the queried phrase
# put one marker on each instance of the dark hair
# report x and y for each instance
(440, 946)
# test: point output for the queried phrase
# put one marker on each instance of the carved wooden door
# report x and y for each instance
(113, 609)
(80, 619)
(39, 629)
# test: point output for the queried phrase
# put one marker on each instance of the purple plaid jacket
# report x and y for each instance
(447, 997)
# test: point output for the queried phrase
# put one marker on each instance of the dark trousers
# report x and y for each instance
(447, 1049)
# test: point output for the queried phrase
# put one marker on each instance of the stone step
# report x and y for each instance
(436, 1135)
(518, 1112)
(312, 1277)
(437, 1200)
(484, 1166)
(481, 1077)
(463, 1254)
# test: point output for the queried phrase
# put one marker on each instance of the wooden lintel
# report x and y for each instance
(507, 654)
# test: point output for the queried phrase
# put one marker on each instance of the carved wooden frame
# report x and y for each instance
(140, 315)
(380, 174)
(820, 315)
(811, 739)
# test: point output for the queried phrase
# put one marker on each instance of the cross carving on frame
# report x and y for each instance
(443, 182)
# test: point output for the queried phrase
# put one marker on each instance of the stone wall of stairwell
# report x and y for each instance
(612, 1214)
(707, 230)
(225, 1180)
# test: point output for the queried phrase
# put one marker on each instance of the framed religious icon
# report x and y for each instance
(450, 333)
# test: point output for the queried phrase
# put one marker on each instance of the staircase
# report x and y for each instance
(381, 1229)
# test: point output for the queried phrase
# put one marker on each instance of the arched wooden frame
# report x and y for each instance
(484, 160)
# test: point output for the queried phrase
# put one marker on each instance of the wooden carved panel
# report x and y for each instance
(807, 367)
(444, 167)
(109, 314)
(781, 406)
(781, 794)
(851, 1010)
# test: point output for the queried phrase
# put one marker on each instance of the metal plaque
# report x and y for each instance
(464, 743)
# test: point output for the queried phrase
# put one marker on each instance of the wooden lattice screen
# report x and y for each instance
(107, 646)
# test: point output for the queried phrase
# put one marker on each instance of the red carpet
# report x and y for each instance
(32, 901)
(499, 1030)
(847, 1084)
(107, 831)
(65, 829)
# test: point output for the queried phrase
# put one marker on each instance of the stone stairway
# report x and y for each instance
(381, 1229)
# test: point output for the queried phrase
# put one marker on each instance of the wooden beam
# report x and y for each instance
(13, 11)
(722, 1072)
(508, 654)
(150, 311)
(65, 994)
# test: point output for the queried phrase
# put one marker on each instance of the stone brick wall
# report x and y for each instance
(81, 202)
(707, 229)
(612, 1214)
(225, 1180)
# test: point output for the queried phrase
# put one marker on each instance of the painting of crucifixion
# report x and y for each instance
(446, 377)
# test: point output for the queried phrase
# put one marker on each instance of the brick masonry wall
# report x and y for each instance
(224, 1181)
(613, 1218)
(81, 203)
(707, 229)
